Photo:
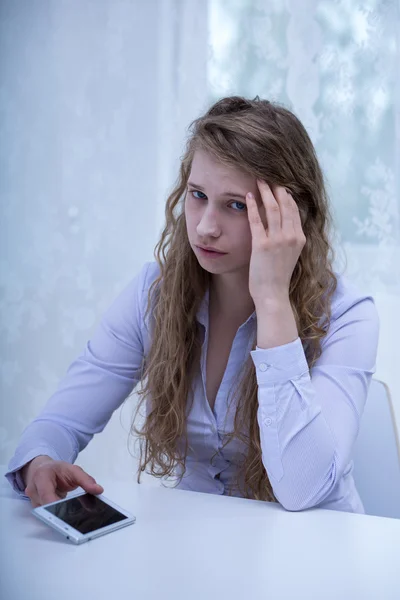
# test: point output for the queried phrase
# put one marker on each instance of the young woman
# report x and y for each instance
(254, 357)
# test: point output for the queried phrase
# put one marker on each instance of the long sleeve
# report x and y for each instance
(95, 385)
(309, 421)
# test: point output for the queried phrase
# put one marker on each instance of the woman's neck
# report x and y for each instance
(230, 297)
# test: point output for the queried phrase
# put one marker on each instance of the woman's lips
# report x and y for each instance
(210, 253)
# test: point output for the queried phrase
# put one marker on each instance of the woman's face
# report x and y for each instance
(216, 214)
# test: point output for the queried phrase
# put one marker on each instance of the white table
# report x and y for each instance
(193, 546)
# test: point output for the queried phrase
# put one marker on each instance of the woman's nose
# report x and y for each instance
(208, 225)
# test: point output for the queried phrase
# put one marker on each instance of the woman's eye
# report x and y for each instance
(201, 197)
(242, 206)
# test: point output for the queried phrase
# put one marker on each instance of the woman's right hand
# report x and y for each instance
(49, 480)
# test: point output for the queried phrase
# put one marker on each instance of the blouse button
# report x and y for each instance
(263, 366)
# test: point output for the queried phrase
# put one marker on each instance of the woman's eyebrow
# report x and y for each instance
(230, 194)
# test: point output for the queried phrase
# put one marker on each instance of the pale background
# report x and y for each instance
(95, 96)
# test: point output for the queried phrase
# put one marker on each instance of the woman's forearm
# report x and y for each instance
(276, 324)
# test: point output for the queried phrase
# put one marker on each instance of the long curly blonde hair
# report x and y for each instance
(267, 141)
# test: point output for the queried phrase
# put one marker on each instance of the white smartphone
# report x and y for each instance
(83, 517)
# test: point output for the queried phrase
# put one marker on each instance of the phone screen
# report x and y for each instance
(86, 513)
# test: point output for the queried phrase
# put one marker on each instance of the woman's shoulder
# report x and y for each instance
(349, 299)
(150, 271)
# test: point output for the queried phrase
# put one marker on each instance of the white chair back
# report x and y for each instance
(377, 455)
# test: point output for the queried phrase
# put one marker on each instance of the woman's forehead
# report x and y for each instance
(207, 168)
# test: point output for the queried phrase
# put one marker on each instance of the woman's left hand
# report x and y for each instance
(275, 248)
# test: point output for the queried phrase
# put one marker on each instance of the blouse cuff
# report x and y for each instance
(280, 364)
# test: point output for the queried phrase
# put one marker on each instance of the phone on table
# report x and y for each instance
(83, 517)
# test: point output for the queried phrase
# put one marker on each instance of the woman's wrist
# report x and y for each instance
(28, 468)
